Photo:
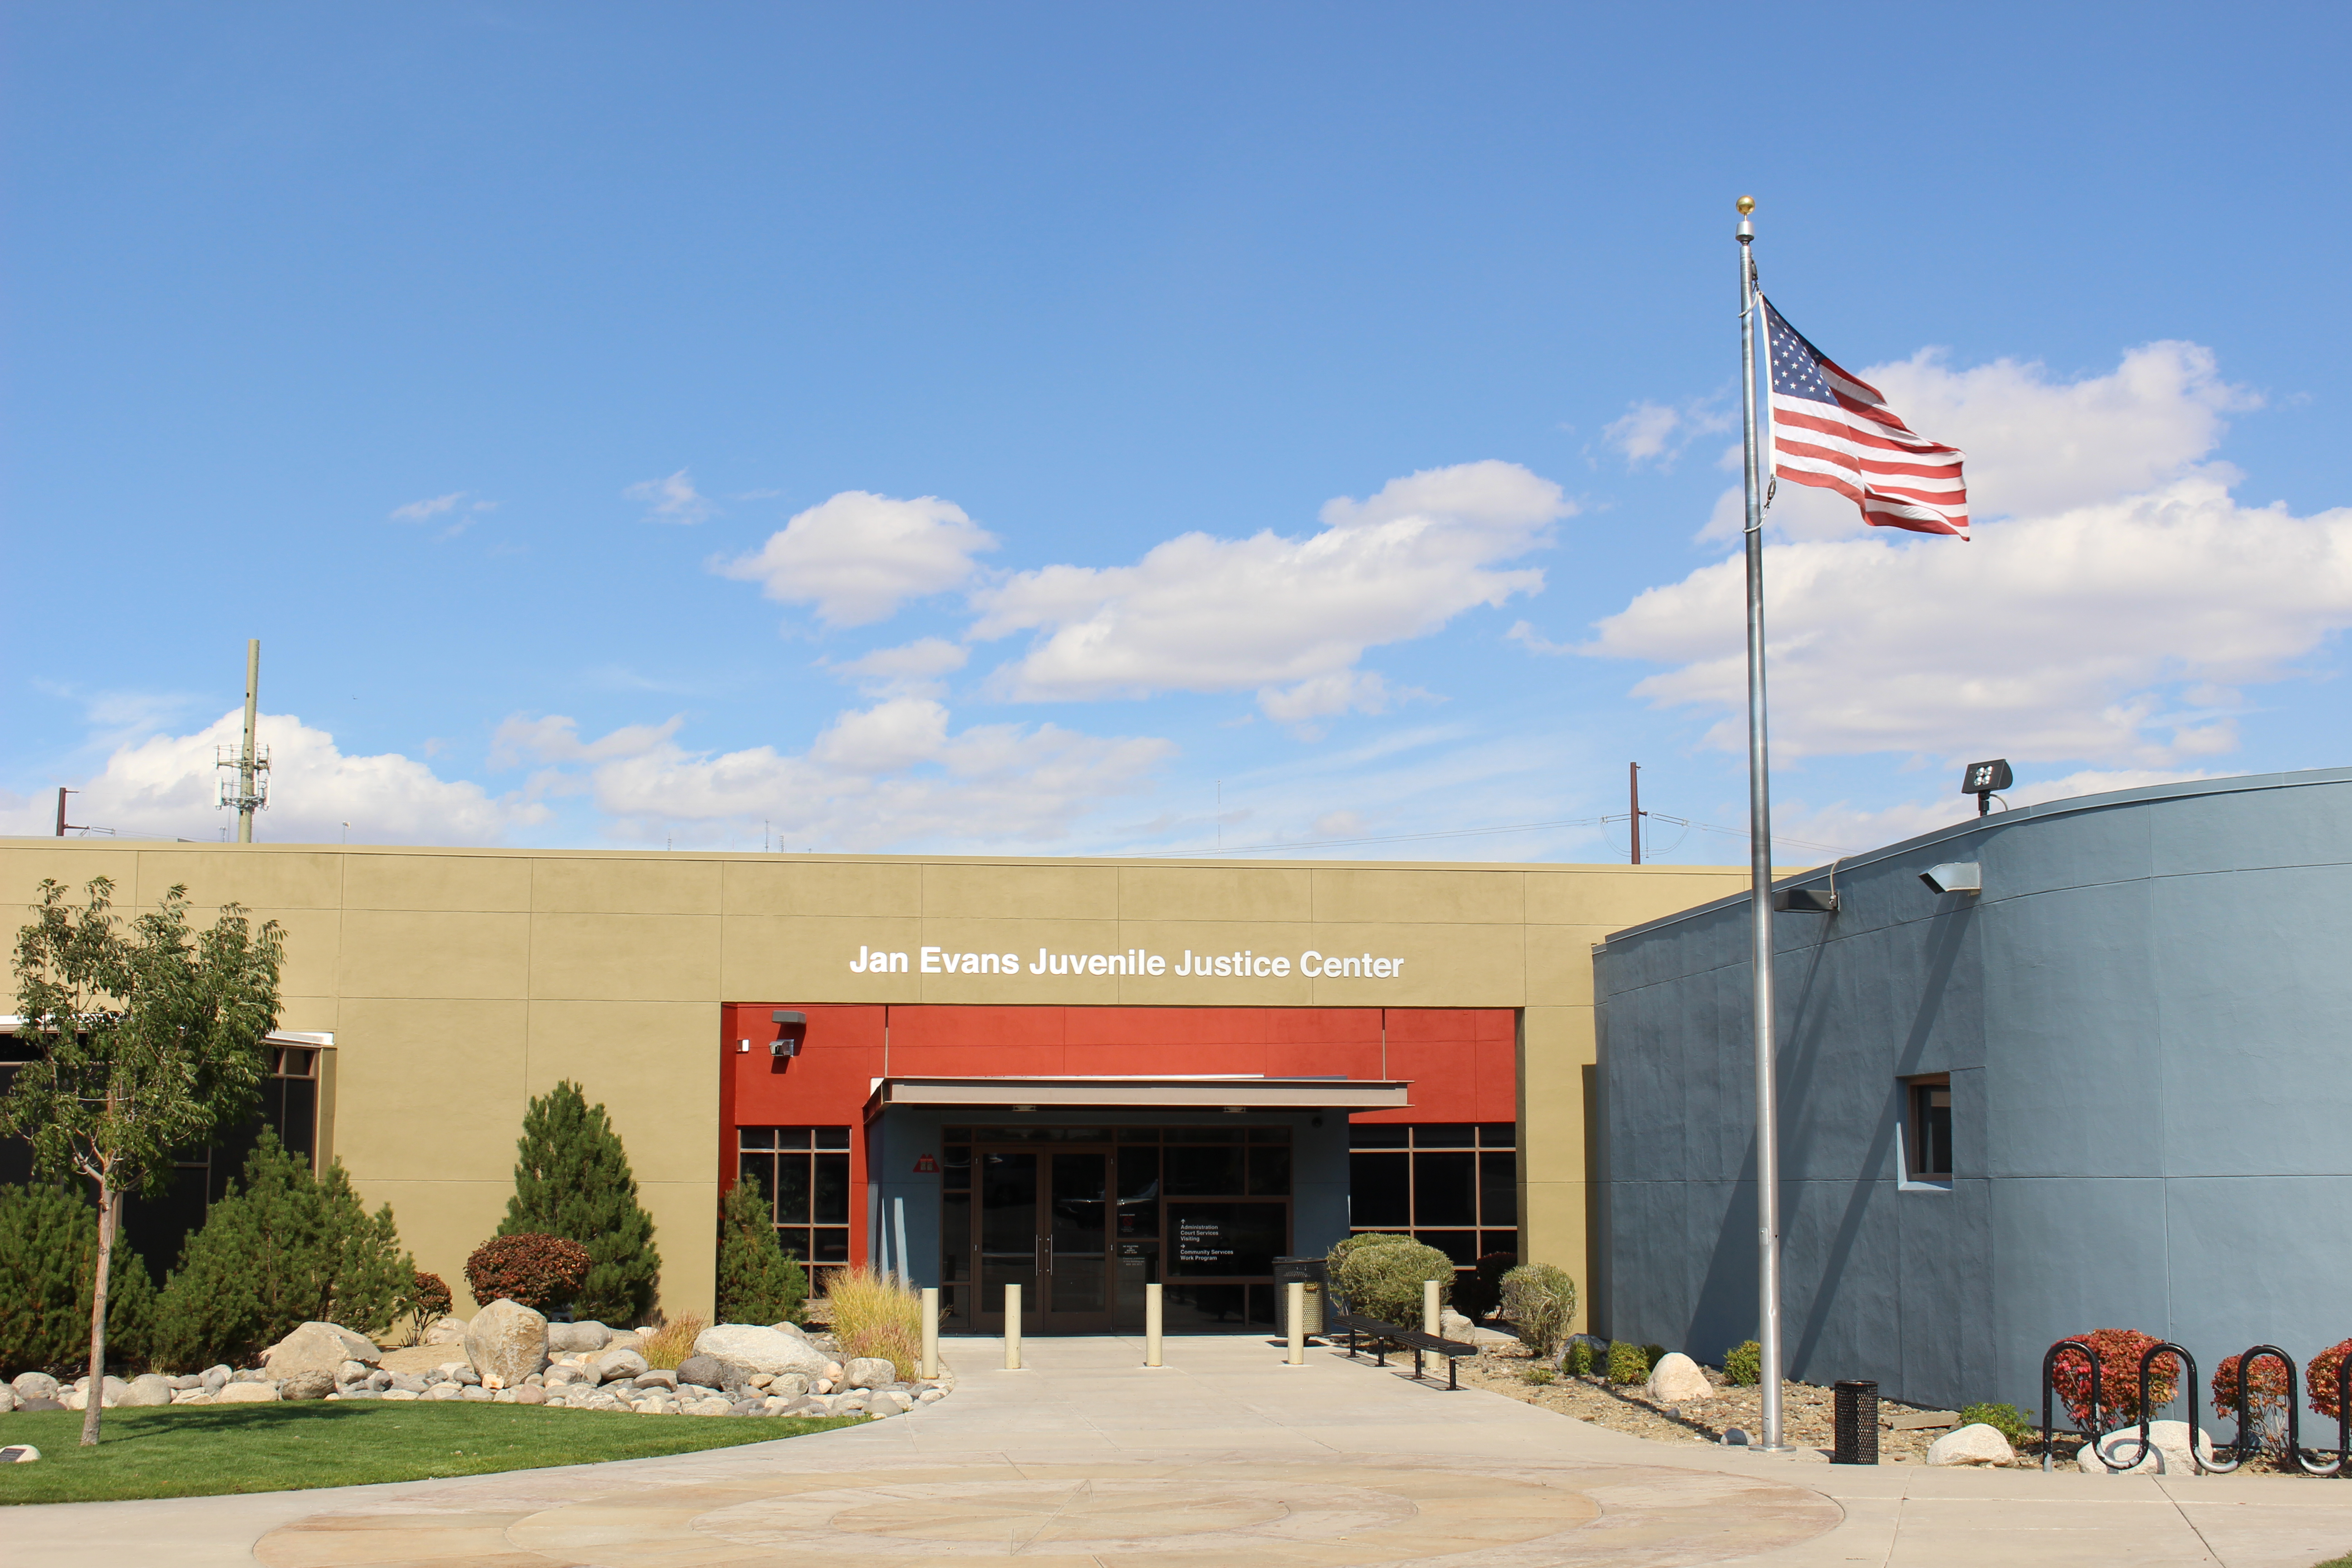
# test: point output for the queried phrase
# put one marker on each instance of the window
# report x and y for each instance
(1927, 1129)
(1454, 1185)
(804, 1173)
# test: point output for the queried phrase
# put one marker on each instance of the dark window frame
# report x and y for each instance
(1928, 1153)
(823, 1157)
(1495, 1219)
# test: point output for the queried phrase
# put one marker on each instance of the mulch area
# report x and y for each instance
(1806, 1410)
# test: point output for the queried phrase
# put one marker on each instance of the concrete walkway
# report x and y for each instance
(1225, 1458)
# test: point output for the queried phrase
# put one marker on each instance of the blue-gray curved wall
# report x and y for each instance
(2144, 1015)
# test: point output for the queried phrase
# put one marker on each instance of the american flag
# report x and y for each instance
(1832, 430)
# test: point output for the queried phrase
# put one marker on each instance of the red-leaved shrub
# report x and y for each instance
(2120, 1350)
(539, 1271)
(2319, 1378)
(2265, 1387)
(430, 1298)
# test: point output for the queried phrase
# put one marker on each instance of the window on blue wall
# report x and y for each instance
(1927, 1129)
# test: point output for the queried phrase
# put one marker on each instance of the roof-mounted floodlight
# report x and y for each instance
(1805, 901)
(1984, 780)
(1955, 877)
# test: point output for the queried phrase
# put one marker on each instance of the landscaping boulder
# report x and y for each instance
(8, 1397)
(2167, 1454)
(760, 1349)
(35, 1385)
(1677, 1380)
(1452, 1325)
(216, 1377)
(505, 1342)
(307, 1383)
(40, 1404)
(445, 1330)
(711, 1372)
(321, 1348)
(615, 1366)
(788, 1385)
(247, 1394)
(148, 1388)
(870, 1371)
(571, 1339)
(1975, 1444)
(793, 1329)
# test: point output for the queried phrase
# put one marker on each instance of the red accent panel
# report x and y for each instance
(1462, 1061)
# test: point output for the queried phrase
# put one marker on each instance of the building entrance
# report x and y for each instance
(1082, 1218)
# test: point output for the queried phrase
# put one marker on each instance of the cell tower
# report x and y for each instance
(246, 786)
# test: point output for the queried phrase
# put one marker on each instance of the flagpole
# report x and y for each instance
(1759, 864)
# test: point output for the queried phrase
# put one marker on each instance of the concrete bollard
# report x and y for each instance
(1429, 1306)
(1296, 1309)
(930, 1331)
(1013, 1328)
(1152, 1325)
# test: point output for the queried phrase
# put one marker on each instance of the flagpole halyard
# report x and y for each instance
(1759, 857)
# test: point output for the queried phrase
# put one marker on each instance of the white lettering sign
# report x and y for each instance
(1243, 964)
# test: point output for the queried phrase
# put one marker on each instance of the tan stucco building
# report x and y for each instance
(889, 1022)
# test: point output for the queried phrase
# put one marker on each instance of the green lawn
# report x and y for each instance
(198, 1451)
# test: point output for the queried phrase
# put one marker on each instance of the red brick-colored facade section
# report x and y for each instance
(1461, 1062)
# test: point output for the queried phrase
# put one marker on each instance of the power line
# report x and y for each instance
(1467, 833)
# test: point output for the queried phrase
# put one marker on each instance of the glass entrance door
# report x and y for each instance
(1044, 1226)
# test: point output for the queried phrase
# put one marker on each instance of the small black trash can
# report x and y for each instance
(1313, 1273)
(1856, 1423)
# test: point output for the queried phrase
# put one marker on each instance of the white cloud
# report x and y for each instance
(1858, 830)
(167, 786)
(1655, 434)
(2053, 637)
(910, 668)
(423, 510)
(893, 774)
(2101, 620)
(1288, 616)
(556, 738)
(1325, 697)
(671, 500)
(2035, 445)
(858, 556)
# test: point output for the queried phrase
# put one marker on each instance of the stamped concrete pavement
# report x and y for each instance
(1225, 1457)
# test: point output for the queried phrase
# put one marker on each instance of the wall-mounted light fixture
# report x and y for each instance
(1983, 780)
(1955, 877)
(790, 1030)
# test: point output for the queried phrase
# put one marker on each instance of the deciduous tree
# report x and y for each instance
(150, 1040)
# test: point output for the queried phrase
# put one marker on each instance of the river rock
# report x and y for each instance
(618, 1366)
(760, 1349)
(35, 1385)
(9, 1400)
(148, 1388)
(2169, 1443)
(788, 1385)
(571, 1339)
(247, 1394)
(710, 1371)
(318, 1347)
(505, 1342)
(445, 1330)
(307, 1383)
(870, 1371)
(1677, 1380)
(1975, 1444)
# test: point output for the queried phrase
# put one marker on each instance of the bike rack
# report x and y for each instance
(2049, 1366)
(2241, 1447)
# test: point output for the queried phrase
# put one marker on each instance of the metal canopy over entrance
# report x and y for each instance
(1218, 1091)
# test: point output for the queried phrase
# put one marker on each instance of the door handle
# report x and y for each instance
(1046, 1252)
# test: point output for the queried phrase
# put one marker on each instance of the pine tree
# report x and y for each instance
(283, 1249)
(48, 1261)
(759, 1281)
(573, 1179)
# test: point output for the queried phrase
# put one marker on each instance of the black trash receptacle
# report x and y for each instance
(1312, 1272)
(1855, 1431)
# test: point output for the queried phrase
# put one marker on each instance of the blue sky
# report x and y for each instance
(479, 359)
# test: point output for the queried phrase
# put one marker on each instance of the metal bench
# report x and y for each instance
(1383, 1335)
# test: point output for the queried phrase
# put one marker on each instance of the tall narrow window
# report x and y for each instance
(1928, 1142)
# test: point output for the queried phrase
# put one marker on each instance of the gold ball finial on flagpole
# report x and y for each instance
(1746, 205)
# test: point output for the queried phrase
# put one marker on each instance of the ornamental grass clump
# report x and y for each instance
(1384, 1282)
(2119, 1352)
(1743, 1365)
(1539, 1300)
(542, 1272)
(667, 1348)
(875, 1315)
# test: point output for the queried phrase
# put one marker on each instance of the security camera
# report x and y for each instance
(1955, 877)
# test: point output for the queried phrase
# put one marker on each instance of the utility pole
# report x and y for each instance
(249, 792)
(1634, 788)
(62, 824)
